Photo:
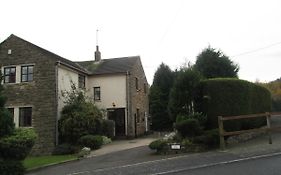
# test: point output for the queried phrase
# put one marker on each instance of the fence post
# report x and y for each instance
(221, 131)
(268, 121)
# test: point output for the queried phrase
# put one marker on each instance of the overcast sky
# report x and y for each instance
(169, 31)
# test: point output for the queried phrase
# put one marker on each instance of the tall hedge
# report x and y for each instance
(230, 97)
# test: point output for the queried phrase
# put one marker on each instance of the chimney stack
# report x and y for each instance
(97, 54)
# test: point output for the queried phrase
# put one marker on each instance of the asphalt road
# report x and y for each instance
(260, 166)
(139, 161)
(134, 161)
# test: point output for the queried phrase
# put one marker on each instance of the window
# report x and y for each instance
(96, 93)
(27, 73)
(137, 83)
(9, 74)
(25, 116)
(81, 81)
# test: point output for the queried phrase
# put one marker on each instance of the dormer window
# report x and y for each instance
(9, 74)
(27, 73)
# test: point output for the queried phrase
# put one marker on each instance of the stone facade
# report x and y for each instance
(138, 101)
(40, 94)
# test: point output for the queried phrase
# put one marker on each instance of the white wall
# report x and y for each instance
(65, 77)
(113, 90)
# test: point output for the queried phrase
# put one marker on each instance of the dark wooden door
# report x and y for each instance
(118, 116)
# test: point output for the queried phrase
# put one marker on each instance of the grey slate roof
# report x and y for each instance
(110, 66)
(51, 54)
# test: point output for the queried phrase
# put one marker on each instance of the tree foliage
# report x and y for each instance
(159, 98)
(275, 88)
(7, 125)
(184, 92)
(212, 63)
(79, 117)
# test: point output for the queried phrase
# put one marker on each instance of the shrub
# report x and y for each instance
(209, 138)
(202, 119)
(189, 128)
(159, 145)
(10, 167)
(229, 97)
(64, 149)
(106, 140)
(91, 141)
(18, 145)
(108, 127)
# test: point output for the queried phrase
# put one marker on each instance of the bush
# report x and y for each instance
(64, 149)
(159, 145)
(106, 140)
(10, 167)
(209, 138)
(91, 141)
(18, 145)
(189, 128)
(229, 97)
(108, 127)
(202, 119)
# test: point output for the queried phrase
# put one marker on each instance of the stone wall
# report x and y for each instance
(138, 100)
(40, 94)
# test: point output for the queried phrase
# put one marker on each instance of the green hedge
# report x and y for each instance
(18, 145)
(230, 97)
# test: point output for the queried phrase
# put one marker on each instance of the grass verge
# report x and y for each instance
(41, 161)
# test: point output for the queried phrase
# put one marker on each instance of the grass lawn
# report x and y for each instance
(35, 162)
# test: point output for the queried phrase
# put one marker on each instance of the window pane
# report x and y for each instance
(30, 69)
(12, 78)
(6, 79)
(13, 70)
(24, 70)
(30, 77)
(25, 117)
(7, 71)
(23, 78)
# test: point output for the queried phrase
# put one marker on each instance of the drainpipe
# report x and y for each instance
(127, 100)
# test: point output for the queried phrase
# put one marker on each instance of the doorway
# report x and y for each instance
(118, 116)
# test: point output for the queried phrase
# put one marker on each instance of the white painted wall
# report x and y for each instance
(65, 77)
(113, 90)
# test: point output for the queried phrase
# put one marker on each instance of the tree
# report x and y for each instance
(275, 88)
(184, 92)
(214, 64)
(79, 117)
(159, 98)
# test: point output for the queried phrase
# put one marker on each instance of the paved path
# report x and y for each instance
(120, 145)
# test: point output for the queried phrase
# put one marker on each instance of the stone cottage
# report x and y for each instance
(34, 79)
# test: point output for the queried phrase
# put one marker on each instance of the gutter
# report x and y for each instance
(72, 67)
